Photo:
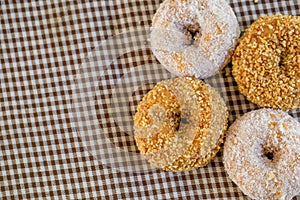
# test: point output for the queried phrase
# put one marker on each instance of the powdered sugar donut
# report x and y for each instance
(262, 154)
(194, 37)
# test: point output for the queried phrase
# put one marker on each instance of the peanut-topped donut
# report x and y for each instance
(194, 37)
(262, 154)
(179, 124)
(266, 63)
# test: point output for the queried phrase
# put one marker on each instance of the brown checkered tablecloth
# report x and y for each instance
(71, 75)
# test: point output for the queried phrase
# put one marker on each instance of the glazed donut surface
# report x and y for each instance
(194, 37)
(262, 154)
(266, 63)
(179, 124)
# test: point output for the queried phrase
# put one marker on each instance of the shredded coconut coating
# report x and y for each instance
(173, 135)
(194, 37)
(262, 154)
(266, 63)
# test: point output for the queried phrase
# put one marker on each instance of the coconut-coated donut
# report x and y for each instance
(262, 154)
(194, 37)
(266, 63)
(179, 124)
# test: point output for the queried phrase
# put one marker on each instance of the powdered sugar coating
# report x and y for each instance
(262, 154)
(194, 38)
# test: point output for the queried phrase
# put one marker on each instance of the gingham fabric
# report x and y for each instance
(71, 76)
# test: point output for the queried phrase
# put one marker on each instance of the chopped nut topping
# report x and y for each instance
(278, 195)
(151, 137)
(266, 62)
(272, 125)
(285, 126)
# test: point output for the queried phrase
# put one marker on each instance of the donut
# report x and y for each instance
(262, 156)
(266, 62)
(179, 124)
(194, 37)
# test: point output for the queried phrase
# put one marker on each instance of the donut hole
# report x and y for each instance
(287, 63)
(282, 59)
(178, 120)
(269, 152)
(193, 31)
(269, 155)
